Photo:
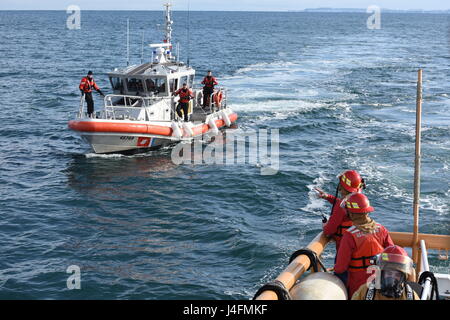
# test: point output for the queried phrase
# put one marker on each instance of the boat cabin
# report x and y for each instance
(159, 78)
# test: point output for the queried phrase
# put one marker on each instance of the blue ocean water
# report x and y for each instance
(141, 227)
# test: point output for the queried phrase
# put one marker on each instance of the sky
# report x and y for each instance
(221, 5)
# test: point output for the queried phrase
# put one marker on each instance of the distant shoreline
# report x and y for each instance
(357, 10)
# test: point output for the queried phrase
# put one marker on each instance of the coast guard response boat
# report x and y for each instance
(141, 113)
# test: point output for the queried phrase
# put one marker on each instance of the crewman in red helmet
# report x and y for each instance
(390, 283)
(360, 243)
(185, 96)
(209, 82)
(86, 86)
(349, 181)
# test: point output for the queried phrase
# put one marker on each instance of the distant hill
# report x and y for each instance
(364, 10)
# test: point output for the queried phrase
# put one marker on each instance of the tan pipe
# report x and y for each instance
(417, 160)
(433, 241)
(297, 267)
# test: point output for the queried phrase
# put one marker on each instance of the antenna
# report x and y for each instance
(169, 23)
(142, 47)
(128, 42)
(189, 34)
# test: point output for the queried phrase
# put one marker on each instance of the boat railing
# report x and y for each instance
(121, 107)
(425, 267)
(81, 109)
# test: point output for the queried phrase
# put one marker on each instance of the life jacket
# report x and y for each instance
(185, 95)
(372, 291)
(218, 96)
(86, 85)
(209, 82)
(345, 225)
(367, 247)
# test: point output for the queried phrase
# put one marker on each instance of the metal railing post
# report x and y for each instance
(82, 98)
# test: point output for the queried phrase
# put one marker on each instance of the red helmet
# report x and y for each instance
(357, 203)
(395, 258)
(351, 181)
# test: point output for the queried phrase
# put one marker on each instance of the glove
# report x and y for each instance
(101, 93)
(82, 92)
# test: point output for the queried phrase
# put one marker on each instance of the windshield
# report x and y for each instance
(135, 85)
(156, 85)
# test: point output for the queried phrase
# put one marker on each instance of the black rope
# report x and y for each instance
(277, 287)
(423, 277)
(335, 198)
(313, 258)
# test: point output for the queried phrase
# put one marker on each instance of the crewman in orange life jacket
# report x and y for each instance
(360, 243)
(209, 81)
(185, 96)
(86, 86)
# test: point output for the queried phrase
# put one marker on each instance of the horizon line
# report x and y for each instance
(307, 10)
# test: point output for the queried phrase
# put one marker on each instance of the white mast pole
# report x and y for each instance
(169, 23)
(142, 47)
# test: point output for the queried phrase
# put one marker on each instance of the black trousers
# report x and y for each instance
(207, 95)
(185, 107)
(89, 102)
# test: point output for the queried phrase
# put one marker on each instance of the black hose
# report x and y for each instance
(434, 285)
(313, 258)
(277, 287)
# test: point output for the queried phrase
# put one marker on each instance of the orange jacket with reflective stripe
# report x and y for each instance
(185, 95)
(86, 85)
(368, 245)
(209, 82)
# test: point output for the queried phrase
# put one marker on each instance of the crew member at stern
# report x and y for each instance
(209, 81)
(86, 86)
(185, 96)
(360, 243)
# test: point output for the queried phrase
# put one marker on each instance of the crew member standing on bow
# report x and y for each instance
(360, 243)
(209, 81)
(185, 96)
(349, 181)
(390, 282)
(86, 86)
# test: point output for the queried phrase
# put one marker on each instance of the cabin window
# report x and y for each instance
(173, 84)
(117, 84)
(135, 85)
(184, 80)
(161, 85)
(155, 85)
(191, 81)
(150, 84)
